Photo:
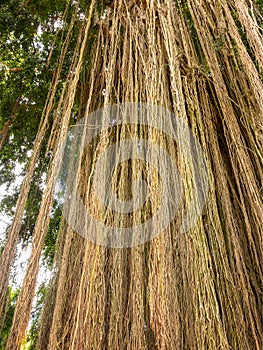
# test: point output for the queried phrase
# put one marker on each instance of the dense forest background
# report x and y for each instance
(42, 64)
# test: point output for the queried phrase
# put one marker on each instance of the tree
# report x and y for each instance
(199, 288)
(5, 328)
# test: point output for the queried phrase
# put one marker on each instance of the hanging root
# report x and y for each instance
(200, 289)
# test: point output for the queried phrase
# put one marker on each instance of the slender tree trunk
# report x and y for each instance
(5, 130)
